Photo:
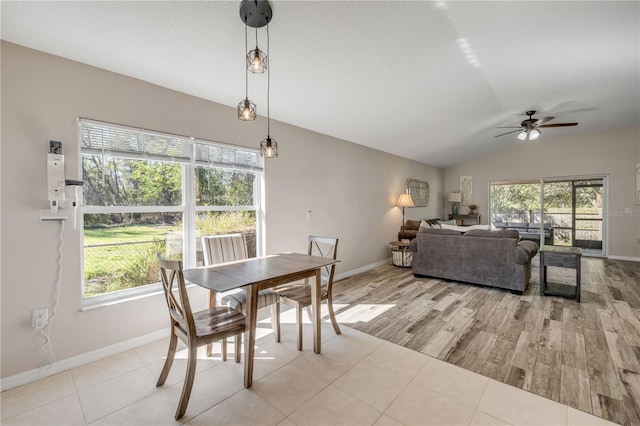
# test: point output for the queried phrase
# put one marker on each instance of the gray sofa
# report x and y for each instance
(529, 231)
(492, 258)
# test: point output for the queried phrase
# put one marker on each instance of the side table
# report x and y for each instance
(563, 257)
(401, 248)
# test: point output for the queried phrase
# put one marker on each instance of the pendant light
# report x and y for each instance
(246, 108)
(256, 59)
(257, 14)
(268, 146)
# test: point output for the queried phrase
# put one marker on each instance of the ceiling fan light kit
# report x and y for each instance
(529, 129)
(257, 14)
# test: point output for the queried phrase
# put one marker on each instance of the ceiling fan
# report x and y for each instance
(530, 128)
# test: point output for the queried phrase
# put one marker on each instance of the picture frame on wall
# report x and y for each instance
(466, 189)
(419, 191)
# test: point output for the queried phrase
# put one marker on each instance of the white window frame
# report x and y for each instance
(249, 160)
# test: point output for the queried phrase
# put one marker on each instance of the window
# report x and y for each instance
(146, 192)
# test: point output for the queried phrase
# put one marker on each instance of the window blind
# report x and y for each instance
(101, 138)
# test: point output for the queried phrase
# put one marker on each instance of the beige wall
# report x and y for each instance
(613, 153)
(350, 189)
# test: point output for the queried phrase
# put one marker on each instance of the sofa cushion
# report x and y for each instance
(518, 224)
(454, 227)
(440, 231)
(506, 233)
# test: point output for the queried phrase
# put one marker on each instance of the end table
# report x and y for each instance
(401, 247)
(563, 257)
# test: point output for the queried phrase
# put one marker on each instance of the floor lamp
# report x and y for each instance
(405, 200)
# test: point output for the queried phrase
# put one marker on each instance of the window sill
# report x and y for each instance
(123, 296)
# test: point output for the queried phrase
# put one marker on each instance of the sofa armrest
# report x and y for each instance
(414, 245)
(525, 251)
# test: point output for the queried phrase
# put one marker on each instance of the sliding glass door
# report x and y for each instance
(574, 208)
(565, 212)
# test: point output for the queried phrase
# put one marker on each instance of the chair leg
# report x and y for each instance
(309, 311)
(188, 382)
(224, 349)
(299, 322)
(238, 346)
(275, 320)
(173, 344)
(332, 316)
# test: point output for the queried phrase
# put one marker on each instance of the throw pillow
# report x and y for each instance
(483, 227)
(455, 227)
(423, 224)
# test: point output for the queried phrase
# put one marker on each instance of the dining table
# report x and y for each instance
(259, 273)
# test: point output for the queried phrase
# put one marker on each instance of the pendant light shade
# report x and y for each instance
(269, 148)
(246, 110)
(257, 61)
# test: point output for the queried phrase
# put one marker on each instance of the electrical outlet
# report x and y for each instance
(39, 318)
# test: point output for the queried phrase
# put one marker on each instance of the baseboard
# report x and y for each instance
(360, 270)
(78, 360)
(627, 258)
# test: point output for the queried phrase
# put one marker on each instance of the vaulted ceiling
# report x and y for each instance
(429, 81)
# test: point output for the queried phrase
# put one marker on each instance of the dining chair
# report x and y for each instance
(228, 248)
(195, 329)
(298, 294)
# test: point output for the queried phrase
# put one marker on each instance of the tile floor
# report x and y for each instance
(357, 380)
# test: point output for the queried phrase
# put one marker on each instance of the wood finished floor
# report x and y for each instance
(585, 355)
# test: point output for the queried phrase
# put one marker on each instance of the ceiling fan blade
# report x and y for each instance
(513, 131)
(559, 125)
(542, 121)
(509, 127)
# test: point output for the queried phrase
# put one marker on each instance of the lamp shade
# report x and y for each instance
(455, 197)
(405, 200)
(534, 134)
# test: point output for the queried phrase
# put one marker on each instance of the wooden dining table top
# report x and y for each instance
(265, 271)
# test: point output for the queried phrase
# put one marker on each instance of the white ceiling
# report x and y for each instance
(386, 74)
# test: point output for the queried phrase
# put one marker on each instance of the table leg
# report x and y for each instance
(212, 304)
(315, 307)
(543, 274)
(578, 274)
(250, 333)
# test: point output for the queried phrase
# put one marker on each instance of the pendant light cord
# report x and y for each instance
(246, 66)
(268, 85)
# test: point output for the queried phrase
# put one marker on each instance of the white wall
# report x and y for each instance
(350, 189)
(613, 153)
